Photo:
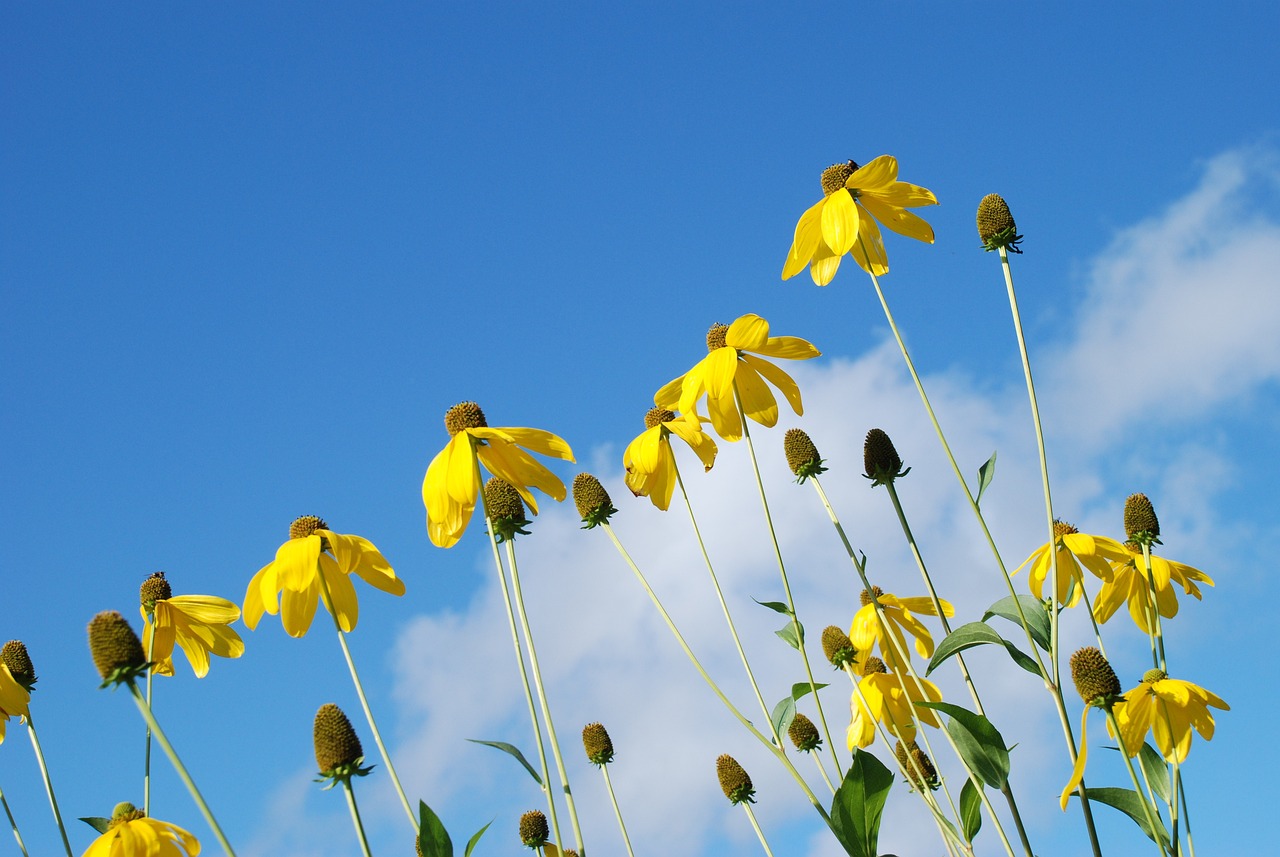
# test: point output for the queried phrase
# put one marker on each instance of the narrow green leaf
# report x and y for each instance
(1037, 616)
(980, 744)
(788, 633)
(986, 473)
(783, 713)
(471, 843)
(1130, 803)
(511, 751)
(775, 606)
(799, 689)
(1157, 770)
(976, 634)
(857, 804)
(98, 823)
(433, 839)
(970, 810)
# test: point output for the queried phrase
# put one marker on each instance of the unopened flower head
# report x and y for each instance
(14, 655)
(116, 649)
(533, 829)
(995, 224)
(837, 646)
(338, 750)
(880, 460)
(594, 505)
(1140, 522)
(505, 509)
(154, 588)
(597, 744)
(803, 734)
(1094, 678)
(916, 766)
(734, 781)
(802, 454)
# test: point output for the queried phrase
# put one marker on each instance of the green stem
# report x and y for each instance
(1156, 632)
(760, 833)
(146, 758)
(822, 769)
(608, 784)
(355, 816)
(796, 627)
(180, 768)
(542, 696)
(1153, 822)
(13, 824)
(48, 782)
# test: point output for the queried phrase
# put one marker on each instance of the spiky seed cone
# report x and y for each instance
(874, 665)
(502, 499)
(533, 829)
(154, 588)
(464, 415)
(802, 454)
(995, 224)
(880, 460)
(305, 526)
(336, 742)
(916, 766)
(864, 597)
(1140, 522)
(834, 176)
(657, 416)
(716, 335)
(597, 744)
(569, 852)
(594, 505)
(1094, 678)
(803, 734)
(734, 781)
(117, 651)
(14, 656)
(1062, 528)
(837, 646)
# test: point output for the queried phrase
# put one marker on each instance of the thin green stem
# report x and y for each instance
(1152, 821)
(796, 627)
(608, 784)
(724, 606)
(542, 695)
(1186, 816)
(48, 782)
(355, 816)
(146, 758)
(760, 833)
(180, 768)
(13, 824)
(822, 769)
(1156, 632)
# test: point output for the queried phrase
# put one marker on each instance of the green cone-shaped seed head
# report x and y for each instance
(336, 743)
(837, 646)
(734, 781)
(594, 505)
(464, 415)
(1140, 522)
(597, 744)
(803, 734)
(154, 588)
(117, 651)
(14, 656)
(995, 224)
(533, 829)
(880, 460)
(802, 455)
(1152, 676)
(1094, 678)
(125, 812)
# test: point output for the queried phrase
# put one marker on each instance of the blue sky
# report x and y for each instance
(249, 255)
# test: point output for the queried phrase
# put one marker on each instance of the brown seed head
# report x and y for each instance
(533, 829)
(803, 734)
(1095, 680)
(502, 500)
(154, 588)
(114, 646)
(336, 742)
(657, 416)
(1140, 522)
(716, 336)
(1062, 528)
(837, 646)
(834, 177)
(464, 415)
(734, 781)
(994, 217)
(593, 502)
(865, 597)
(916, 766)
(874, 665)
(880, 460)
(597, 744)
(14, 656)
(305, 526)
(802, 454)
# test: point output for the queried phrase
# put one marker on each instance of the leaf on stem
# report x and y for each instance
(775, 606)
(783, 713)
(471, 843)
(799, 689)
(986, 473)
(970, 810)
(1034, 610)
(980, 744)
(788, 634)
(1130, 803)
(511, 750)
(433, 839)
(976, 634)
(857, 804)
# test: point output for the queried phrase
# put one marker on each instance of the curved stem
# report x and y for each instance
(13, 824)
(355, 816)
(48, 782)
(608, 784)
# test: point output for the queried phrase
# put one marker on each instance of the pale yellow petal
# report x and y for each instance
(534, 440)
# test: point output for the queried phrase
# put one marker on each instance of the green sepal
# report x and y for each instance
(124, 675)
(506, 529)
(858, 803)
(980, 744)
(976, 634)
(597, 516)
(513, 751)
(98, 823)
(343, 773)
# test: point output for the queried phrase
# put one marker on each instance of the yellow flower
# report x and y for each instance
(197, 623)
(1129, 583)
(866, 630)
(1168, 708)
(453, 477)
(313, 565)
(844, 220)
(14, 698)
(886, 703)
(729, 368)
(651, 462)
(132, 834)
(1075, 549)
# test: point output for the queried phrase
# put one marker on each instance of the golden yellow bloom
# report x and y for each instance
(143, 837)
(453, 478)
(198, 624)
(14, 698)
(729, 368)
(866, 631)
(880, 699)
(1129, 583)
(650, 461)
(844, 220)
(1075, 549)
(1169, 709)
(291, 584)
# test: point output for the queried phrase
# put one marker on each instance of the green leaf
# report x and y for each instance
(788, 633)
(857, 804)
(1157, 770)
(1130, 803)
(471, 843)
(976, 634)
(783, 713)
(775, 606)
(1037, 616)
(970, 810)
(980, 744)
(433, 839)
(98, 823)
(986, 473)
(799, 689)
(512, 751)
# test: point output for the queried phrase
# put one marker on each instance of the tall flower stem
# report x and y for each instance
(756, 825)
(364, 704)
(1051, 684)
(48, 783)
(542, 694)
(796, 628)
(608, 784)
(1152, 820)
(724, 606)
(355, 816)
(13, 824)
(1157, 633)
(146, 757)
(715, 688)
(822, 769)
(180, 768)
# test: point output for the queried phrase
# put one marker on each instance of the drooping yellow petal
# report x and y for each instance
(449, 491)
(758, 401)
(825, 264)
(699, 441)
(534, 440)
(14, 698)
(522, 471)
(840, 222)
(255, 603)
(295, 564)
(868, 251)
(898, 219)
(788, 348)
(874, 175)
(1077, 772)
(298, 606)
(902, 195)
(780, 379)
(356, 555)
(725, 419)
(644, 453)
(807, 238)
(209, 609)
(341, 601)
(749, 332)
(668, 395)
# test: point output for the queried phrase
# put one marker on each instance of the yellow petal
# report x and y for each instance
(899, 220)
(758, 401)
(788, 348)
(903, 195)
(840, 222)
(868, 251)
(779, 379)
(295, 564)
(534, 440)
(358, 555)
(1077, 772)
(807, 238)
(254, 602)
(879, 173)
(668, 395)
(342, 602)
(209, 609)
(512, 464)
(824, 266)
(749, 332)
(298, 607)
(699, 441)
(449, 491)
